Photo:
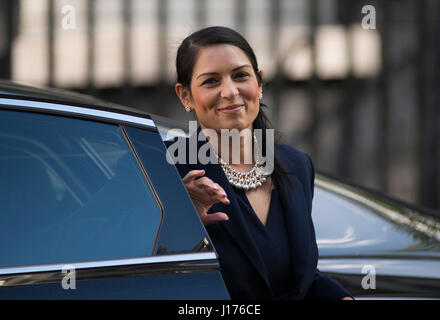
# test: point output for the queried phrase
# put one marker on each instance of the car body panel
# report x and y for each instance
(174, 286)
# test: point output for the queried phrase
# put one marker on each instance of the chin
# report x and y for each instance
(234, 125)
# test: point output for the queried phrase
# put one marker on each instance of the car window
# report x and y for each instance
(344, 226)
(71, 191)
(181, 228)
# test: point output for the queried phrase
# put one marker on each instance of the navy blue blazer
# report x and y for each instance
(241, 264)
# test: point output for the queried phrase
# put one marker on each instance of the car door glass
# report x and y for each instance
(71, 191)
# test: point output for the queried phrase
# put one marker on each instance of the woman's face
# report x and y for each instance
(224, 88)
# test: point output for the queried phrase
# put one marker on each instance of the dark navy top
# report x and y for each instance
(272, 241)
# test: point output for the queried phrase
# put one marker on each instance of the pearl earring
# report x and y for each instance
(188, 108)
(261, 95)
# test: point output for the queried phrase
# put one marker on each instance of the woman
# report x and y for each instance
(262, 231)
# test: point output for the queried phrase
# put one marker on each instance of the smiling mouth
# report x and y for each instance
(232, 108)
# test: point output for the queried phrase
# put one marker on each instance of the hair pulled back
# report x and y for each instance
(186, 59)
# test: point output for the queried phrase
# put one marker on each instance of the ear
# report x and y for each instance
(260, 73)
(183, 94)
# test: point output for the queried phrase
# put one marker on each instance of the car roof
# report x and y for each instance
(16, 90)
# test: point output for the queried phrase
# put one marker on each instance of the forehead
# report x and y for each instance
(218, 58)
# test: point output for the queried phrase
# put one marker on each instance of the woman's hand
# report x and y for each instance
(204, 194)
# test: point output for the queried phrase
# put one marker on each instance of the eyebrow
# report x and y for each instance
(213, 73)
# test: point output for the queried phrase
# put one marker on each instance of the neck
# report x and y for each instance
(235, 149)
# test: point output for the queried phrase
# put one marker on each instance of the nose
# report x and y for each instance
(229, 89)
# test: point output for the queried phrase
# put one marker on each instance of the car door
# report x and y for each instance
(90, 208)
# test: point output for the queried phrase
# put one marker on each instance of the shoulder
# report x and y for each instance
(293, 159)
(298, 164)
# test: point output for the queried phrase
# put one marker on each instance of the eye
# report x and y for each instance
(241, 75)
(209, 81)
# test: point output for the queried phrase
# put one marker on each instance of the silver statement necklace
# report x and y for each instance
(252, 179)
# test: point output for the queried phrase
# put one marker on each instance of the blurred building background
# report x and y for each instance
(363, 101)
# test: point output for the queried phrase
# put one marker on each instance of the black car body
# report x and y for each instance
(86, 194)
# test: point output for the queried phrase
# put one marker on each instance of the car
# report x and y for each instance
(90, 209)
(376, 246)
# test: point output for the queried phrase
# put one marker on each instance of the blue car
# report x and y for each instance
(90, 209)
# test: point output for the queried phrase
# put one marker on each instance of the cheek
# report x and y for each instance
(252, 96)
(204, 99)
(252, 91)
(204, 103)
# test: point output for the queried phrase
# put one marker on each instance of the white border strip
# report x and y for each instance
(113, 263)
(78, 110)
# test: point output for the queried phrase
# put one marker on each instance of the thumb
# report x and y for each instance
(212, 218)
(191, 175)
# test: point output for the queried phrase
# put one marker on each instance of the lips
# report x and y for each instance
(231, 108)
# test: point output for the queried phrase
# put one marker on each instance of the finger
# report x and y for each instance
(221, 189)
(212, 218)
(213, 189)
(204, 181)
(208, 186)
(191, 175)
(221, 192)
(222, 197)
